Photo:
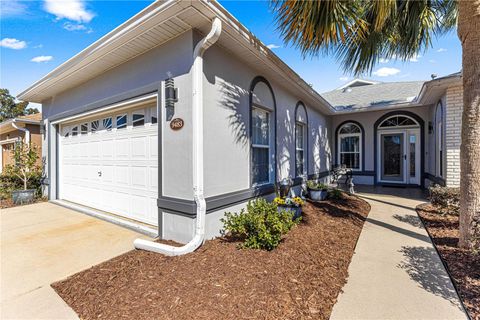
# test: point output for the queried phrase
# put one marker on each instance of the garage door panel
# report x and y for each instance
(127, 160)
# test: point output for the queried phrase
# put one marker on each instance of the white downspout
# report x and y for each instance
(197, 119)
(27, 132)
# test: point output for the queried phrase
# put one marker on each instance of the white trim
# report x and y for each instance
(127, 103)
(360, 144)
(348, 84)
(406, 132)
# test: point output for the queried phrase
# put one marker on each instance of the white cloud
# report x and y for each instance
(75, 27)
(441, 50)
(74, 10)
(383, 60)
(385, 72)
(42, 59)
(38, 46)
(432, 61)
(12, 43)
(343, 79)
(12, 8)
(273, 46)
(415, 58)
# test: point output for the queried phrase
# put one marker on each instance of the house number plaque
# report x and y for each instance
(176, 124)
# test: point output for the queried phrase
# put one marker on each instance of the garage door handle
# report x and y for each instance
(99, 173)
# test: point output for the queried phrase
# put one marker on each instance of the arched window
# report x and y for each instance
(262, 132)
(301, 140)
(398, 121)
(439, 139)
(350, 146)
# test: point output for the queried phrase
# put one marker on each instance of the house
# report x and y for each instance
(181, 112)
(22, 128)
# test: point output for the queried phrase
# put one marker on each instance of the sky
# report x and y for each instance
(37, 36)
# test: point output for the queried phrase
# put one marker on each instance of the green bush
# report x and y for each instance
(316, 186)
(10, 182)
(446, 198)
(260, 226)
(335, 194)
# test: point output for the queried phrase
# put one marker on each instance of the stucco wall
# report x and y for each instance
(142, 74)
(226, 119)
(367, 120)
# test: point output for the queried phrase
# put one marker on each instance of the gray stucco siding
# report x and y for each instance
(367, 120)
(226, 125)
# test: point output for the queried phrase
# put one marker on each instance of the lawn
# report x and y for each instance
(301, 279)
(463, 265)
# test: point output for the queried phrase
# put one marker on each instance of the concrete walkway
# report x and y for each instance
(395, 272)
(43, 243)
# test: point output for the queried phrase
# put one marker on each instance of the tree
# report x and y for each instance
(361, 32)
(25, 157)
(10, 109)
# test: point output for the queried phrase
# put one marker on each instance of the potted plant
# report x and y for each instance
(25, 158)
(317, 191)
(293, 205)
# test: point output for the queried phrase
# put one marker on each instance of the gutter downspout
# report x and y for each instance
(197, 117)
(27, 132)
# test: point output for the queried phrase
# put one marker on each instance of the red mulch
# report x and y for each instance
(463, 265)
(301, 279)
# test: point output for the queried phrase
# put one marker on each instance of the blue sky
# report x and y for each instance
(37, 36)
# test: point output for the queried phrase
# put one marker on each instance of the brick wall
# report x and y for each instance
(453, 127)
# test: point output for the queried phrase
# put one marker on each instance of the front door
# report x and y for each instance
(399, 156)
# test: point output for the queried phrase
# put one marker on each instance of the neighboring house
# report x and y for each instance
(121, 139)
(22, 128)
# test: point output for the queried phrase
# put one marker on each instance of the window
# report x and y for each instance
(138, 118)
(349, 146)
(300, 149)
(122, 121)
(84, 128)
(107, 123)
(260, 146)
(75, 131)
(153, 115)
(95, 126)
(398, 121)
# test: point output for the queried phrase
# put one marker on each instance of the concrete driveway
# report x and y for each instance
(43, 243)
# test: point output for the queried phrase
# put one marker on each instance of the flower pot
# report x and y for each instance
(23, 196)
(318, 195)
(297, 211)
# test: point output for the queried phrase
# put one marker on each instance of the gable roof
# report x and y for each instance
(158, 23)
(378, 95)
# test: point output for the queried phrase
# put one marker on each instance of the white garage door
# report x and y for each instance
(110, 162)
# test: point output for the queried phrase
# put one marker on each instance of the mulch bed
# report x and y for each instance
(301, 279)
(463, 265)
(8, 203)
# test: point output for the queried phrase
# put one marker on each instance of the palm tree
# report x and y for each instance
(360, 32)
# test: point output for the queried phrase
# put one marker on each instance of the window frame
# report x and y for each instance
(263, 146)
(303, 148)
(340, 136)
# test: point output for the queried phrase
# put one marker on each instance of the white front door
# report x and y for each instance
(110, 163)
(399, 156)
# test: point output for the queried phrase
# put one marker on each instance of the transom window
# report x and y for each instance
(349, 146)
(260, 145)
(144, 117)
(300, 149)
(398, 121)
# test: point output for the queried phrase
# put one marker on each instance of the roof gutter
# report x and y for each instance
(197, 115)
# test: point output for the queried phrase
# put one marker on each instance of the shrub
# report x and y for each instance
(316, 186)
(446, 198)
(260, 226)
(335, 194)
